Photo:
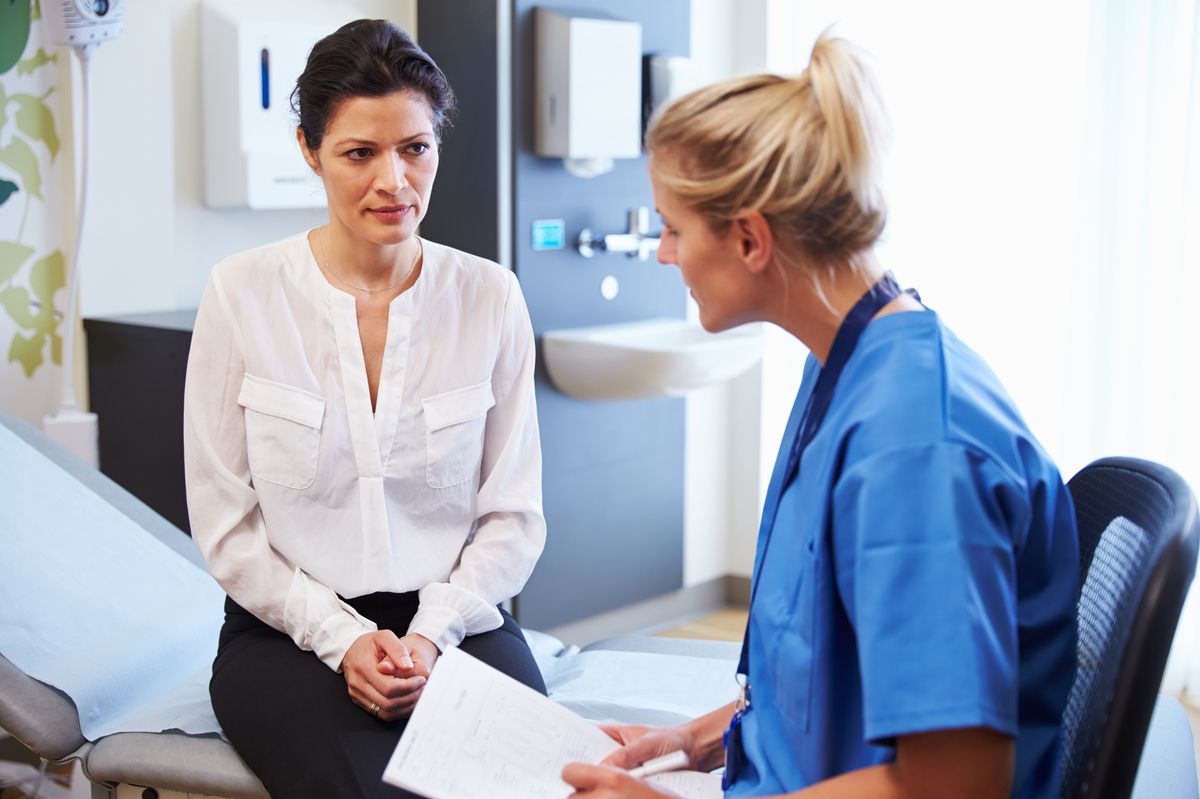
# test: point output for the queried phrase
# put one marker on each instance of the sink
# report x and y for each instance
(647, 358)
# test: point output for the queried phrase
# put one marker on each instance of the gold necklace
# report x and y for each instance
(364, 289)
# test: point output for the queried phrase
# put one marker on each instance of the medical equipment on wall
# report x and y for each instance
(81, 25)
(588, 90)
(250, 57)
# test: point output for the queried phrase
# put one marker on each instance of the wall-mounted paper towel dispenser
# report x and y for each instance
(588, 89)
(250, 57)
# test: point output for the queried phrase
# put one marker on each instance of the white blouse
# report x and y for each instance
(299, 493)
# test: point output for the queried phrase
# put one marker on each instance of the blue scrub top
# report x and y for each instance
(922, 572)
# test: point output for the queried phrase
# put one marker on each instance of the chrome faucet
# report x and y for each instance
(636, 243)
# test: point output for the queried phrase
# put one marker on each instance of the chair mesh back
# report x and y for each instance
(1113, 585)
(1130, 514)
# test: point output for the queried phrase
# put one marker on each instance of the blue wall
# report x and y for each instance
(613, 471)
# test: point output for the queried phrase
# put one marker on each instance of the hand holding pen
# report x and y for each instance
(644, 750)
(672, 761)
(609, 782)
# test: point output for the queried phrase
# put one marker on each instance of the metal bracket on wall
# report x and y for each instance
(635, 243)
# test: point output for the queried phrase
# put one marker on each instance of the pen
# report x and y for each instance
(669, 762)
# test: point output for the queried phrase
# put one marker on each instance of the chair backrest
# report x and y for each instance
(1138, 532)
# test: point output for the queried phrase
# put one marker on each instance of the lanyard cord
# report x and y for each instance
(876, 297)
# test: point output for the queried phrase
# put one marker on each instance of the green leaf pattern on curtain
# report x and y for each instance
(7, 189)
(15, 16)
(35, 313)
(21, 158)
(35, 120)
(31, 136)
(40, 58)
(12, 256)
(16, 302)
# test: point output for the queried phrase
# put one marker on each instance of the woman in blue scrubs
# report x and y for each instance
(912, 620)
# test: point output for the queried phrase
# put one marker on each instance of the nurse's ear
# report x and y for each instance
(309, 156)
(753, 239)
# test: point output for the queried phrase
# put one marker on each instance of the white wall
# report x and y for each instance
(150, 241)
(722, 475)
(722, 479)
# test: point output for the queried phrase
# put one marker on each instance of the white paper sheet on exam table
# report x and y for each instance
(479, 734)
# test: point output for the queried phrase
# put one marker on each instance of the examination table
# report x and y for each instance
(108, 626)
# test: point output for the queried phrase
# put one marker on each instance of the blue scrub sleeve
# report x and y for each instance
(925, 545)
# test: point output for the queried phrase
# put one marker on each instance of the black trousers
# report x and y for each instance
(291, 719)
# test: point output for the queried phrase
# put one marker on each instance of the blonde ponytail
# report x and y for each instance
(802, 151)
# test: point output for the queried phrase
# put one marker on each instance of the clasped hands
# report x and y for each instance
(385, 674)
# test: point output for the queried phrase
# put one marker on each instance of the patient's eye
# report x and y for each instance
(419, 148)
(359, 154)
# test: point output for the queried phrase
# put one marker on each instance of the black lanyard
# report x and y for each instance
(844, 343)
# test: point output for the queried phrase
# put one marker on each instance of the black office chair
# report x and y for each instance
(1138, 532)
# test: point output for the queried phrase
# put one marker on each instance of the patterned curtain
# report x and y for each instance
(35, 195)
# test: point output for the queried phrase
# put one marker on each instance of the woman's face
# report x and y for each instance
(378, 160)
(708, 262)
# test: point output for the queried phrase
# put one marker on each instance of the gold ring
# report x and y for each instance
(374, 709)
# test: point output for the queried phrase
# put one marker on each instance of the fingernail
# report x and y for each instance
(406, 663)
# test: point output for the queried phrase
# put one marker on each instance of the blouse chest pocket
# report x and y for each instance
(283, 431)
(454, 426)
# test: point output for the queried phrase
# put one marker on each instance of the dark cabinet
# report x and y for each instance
(136, 368)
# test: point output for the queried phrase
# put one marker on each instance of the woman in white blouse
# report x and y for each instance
(363, 466)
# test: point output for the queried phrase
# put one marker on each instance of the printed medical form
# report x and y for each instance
(479, 734)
